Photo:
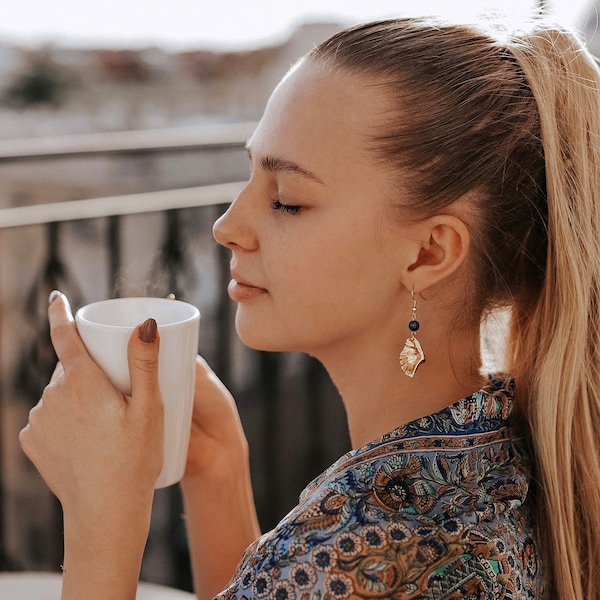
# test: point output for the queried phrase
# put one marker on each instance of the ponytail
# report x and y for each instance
(556, 341)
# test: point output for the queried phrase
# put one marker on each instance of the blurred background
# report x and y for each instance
(122, 128)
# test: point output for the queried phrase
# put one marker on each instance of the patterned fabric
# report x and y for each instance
(433, 510)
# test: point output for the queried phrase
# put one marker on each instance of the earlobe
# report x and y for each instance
(444, 251)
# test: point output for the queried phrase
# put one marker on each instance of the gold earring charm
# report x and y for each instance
(412, 354)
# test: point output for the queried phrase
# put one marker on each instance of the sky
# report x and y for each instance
(180, 24)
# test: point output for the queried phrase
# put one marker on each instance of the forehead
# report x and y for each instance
(322, 119)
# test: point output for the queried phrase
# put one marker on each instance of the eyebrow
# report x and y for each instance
(277, 165)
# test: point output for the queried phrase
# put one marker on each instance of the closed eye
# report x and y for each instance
(286, 208)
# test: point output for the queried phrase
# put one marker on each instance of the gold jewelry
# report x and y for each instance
(412, 354)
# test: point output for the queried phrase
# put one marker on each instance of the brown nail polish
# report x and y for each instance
(148, 331)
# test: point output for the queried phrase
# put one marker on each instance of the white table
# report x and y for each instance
(47, 586)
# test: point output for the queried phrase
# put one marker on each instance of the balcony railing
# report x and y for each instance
(149, 242)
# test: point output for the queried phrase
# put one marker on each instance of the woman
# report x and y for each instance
(408, 179)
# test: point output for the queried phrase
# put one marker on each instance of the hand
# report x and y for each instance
(94, 446)
(216, 434)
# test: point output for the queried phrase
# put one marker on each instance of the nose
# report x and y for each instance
(219, 228)
(234, 229)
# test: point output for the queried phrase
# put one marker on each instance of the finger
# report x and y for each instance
(25, 435)
(206, 379)
(63, 331)
(57, 373)
(142, 355)
(214, 406)
(24, 440)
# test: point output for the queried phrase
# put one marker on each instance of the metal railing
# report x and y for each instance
(153, 242)
(122, 205)
(158, 141)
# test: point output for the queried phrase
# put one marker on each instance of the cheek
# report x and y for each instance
(304, 282)
(329, 289)
(336, 268)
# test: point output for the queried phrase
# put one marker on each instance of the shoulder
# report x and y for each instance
(391, 560)
(371, 533)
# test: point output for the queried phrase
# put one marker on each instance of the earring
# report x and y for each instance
(412, 354)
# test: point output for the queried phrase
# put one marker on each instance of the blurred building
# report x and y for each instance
(56, 91)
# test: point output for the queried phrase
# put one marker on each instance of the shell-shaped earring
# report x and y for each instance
(412, 354)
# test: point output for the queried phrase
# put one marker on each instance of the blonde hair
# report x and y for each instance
(515, 124)
(557, 342)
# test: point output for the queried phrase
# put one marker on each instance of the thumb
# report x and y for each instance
(142, 355)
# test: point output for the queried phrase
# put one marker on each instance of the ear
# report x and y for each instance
(445, 243)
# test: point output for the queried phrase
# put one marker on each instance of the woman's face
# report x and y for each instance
(317, 259)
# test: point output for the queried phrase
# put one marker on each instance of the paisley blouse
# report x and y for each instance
(436, 509)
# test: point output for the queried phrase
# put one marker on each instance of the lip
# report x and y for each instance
(240, 290)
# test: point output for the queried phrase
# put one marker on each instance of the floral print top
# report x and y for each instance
(435, 509)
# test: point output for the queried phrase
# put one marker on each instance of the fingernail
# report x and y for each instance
(148, 331)
(54, 294)
(171, 296)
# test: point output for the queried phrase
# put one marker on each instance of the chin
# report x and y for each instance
(263, 338)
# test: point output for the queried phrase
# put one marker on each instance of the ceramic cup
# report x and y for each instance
(105, 328)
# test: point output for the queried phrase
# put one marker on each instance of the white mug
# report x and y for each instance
(105, 328)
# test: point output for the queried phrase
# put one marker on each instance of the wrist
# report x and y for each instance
(104, 548)
(220, 519)
(224, 487)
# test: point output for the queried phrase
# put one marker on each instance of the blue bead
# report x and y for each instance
(414, 325)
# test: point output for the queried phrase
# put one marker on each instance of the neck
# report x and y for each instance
(379, 397)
